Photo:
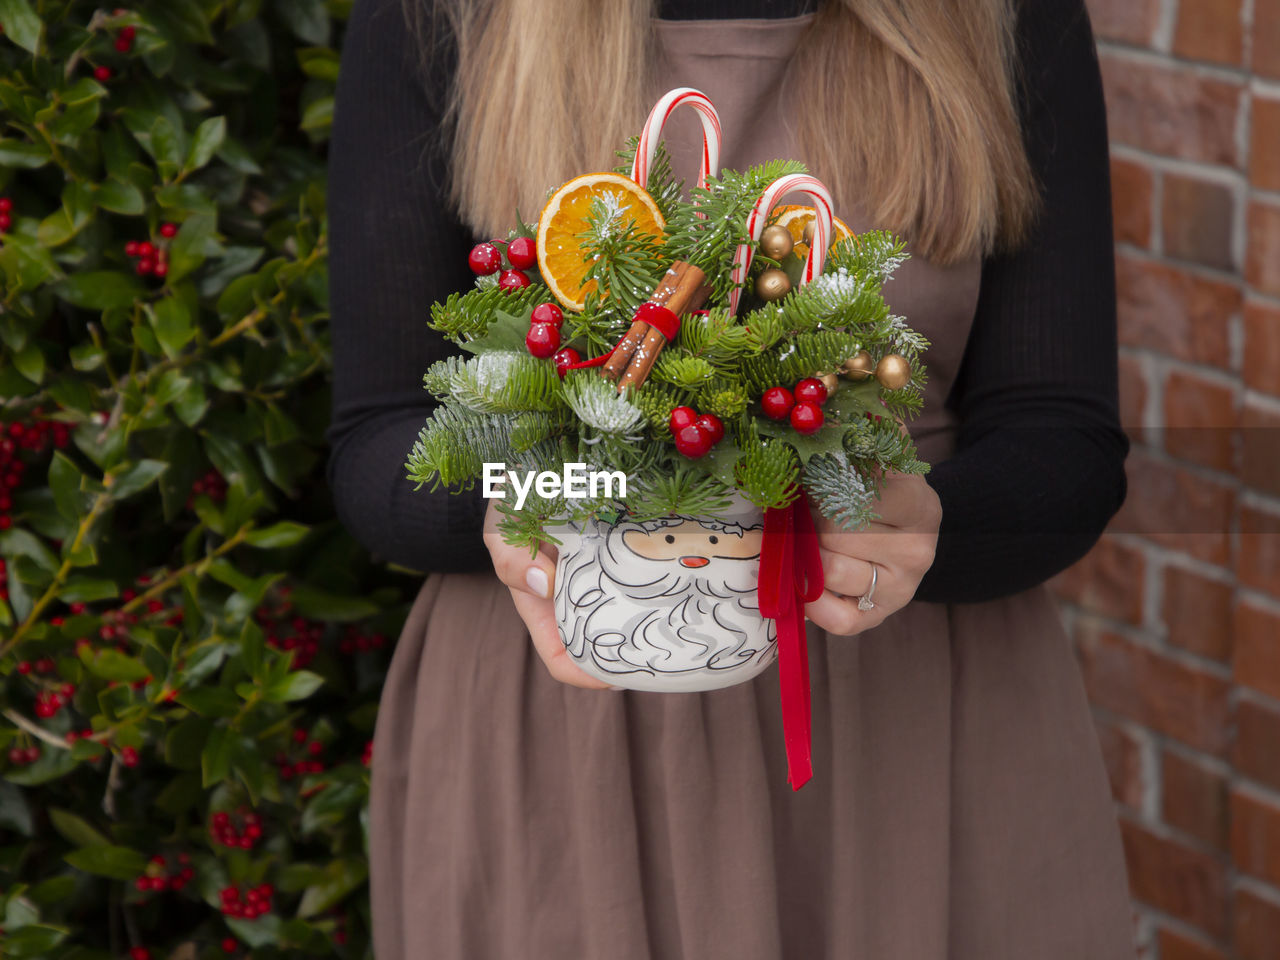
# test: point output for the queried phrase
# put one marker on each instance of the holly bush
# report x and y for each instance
(191, 649)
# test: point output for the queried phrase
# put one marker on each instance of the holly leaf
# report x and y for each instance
(21, 25)
(506, 332)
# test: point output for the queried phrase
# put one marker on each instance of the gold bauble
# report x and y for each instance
(893, 371)
(859, 366)
(776, 242)
(830, 381)
(773, 284)
(807, 236)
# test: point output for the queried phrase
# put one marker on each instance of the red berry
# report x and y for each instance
(812, 390)
(806, 417)
(777, 403)
(485, 259)
(543, 340)
(5, 222)
(168, 229)
(513, 280)
(123, 44)
(142, 884)
(160, 269)
(144, 266)
(131, 248)
(681, 417)
(712, 425)
(693, 441)
(33, 754)
(102, 74)
(129, 756)
(229, 944)
(140, 953)
(146, 249)
(522, 253)
(6, 204)
(547, 313)
(128, 32)
(24, 666)
(564, 359)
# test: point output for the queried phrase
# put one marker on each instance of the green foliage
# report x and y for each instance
(172, 572)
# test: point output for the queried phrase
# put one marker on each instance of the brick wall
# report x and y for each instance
(1176, 613)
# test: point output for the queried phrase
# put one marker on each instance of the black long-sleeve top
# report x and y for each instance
(1038, 467)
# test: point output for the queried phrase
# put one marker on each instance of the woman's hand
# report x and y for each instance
(532, 583)
(901, 544)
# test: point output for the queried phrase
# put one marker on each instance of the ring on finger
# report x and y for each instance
(864, 601)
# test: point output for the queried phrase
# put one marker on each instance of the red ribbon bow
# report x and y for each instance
(790, 577)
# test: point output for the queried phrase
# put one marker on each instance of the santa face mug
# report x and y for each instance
(666, 605)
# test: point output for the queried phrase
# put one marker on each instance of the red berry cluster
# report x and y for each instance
(34, 434)
(521, 254)
(356, 642)
(160, 876)
(803, 407)
(242, 831)
(289, 768)
(139, 953)
(6, 209)
(254, 903)
(543, 338)
(152, 258)
(298, 634)
(21, 756)
(213, 485)
(695, 434)
(49, 702)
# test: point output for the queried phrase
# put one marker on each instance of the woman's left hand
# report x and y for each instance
(900, 543)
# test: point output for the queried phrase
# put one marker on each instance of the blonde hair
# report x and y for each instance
(913, 100)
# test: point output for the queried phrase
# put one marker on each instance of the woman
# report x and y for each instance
(959, 807)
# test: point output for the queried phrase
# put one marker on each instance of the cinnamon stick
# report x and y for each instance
(672, 290)
(691, 292)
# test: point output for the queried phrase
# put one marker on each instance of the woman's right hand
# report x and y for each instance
(532, 584)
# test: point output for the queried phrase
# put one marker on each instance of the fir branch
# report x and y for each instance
(799, 357)
(466, 316)
(839, 490)
(768, 471)
(455, 443)
(598, 404)
(680, 369)
(685, 490)
(495, 382)
(624, 262)
(706, 232)
(663, 186)
(875, 255)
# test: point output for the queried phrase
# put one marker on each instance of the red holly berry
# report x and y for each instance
(146, 249)
(144, 266)
(485, 259)
(128, 32)
(102, 74)
(543, 340)
(140, 953)
(547, 313)
(160, 269)
(693, 441)
(811, 389)
(5, 222)
(681, 417)
(229, 944)
(806, 417)
(6, 204)
(129, 756)
(168, 229)
(522, 252)
(777, 403)
(564, 359)
(712, 425)
(124, 44)
(513, 280)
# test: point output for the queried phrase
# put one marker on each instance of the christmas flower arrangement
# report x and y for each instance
(733, 358)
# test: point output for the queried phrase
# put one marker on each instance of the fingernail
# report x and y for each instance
(617, 688)
(536, 578)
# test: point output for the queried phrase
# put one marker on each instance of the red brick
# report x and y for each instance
(1260, 449)
(1198, 613)
(1257, 747)
(1257, 649)
(1126, 21)
(1257, 926)
(1122, 753)
(1266, 38)
(1176, 508)
(1258, 565)
(1262, 265)
(1262, 346)
(1107, 581)
(1171, 111)
(1133, 395)
(1198, 218)
(1181, 701)
(1194, 799)
(1255, 836)
(1200, 419)
(1264, 152)
(1173, 877)
(1210, 30)
(1175, 946)
(1174, 312)
(1131, 189)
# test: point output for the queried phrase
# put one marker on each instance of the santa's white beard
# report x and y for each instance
(626, 614)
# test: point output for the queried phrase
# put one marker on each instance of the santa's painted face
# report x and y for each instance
(693, 545)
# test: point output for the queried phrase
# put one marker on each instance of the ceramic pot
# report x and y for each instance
(667, 605)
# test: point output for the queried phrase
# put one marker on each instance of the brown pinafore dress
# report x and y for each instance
(958, 810)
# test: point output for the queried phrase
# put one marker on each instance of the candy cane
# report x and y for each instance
(652, 133)
(816, 191)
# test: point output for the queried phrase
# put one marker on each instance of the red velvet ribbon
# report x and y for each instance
(665, 321)
(790, 577)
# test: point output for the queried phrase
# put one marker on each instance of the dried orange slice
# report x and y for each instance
(795, 218)
(560, 256)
